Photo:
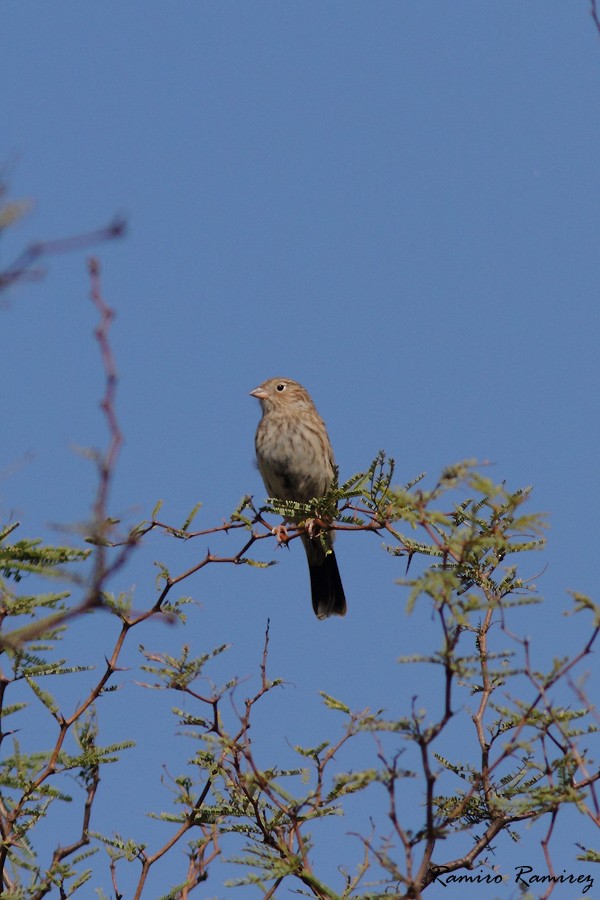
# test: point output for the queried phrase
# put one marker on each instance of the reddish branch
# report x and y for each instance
(287, 839)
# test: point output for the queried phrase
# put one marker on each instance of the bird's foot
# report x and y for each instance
(280, 532)
(312, 527)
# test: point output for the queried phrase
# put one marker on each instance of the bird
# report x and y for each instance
(296, 462)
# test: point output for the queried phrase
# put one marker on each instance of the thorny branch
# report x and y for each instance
(101, 572)
(245, 775)
(281, 822)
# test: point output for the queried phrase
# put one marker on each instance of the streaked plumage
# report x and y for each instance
(296, 462)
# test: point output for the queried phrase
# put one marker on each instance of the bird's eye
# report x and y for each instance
(281, 386)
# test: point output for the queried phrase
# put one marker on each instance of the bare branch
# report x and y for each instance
(594, 15)
(21, 267)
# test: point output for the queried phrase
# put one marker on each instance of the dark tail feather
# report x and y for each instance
(326, 586)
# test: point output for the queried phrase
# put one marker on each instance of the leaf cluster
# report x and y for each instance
(526, 755)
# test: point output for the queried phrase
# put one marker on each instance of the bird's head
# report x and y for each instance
(281, 393)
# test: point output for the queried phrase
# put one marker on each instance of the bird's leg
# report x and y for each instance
(280, 532)
(312, 527)
(316, 525)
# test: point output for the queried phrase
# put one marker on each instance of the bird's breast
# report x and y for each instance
(294, 457)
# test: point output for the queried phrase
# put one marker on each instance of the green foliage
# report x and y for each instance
(31, 556)
(525, 755)
(177, 672)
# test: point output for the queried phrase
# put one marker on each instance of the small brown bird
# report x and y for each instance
(296, 462)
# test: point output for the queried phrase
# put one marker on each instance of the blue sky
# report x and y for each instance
(396, 204)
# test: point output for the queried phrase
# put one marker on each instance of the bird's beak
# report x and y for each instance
(259, 393)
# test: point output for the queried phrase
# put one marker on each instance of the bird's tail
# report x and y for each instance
(325, 583)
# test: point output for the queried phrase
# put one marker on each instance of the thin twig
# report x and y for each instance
(20, 268)
(594, 15)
